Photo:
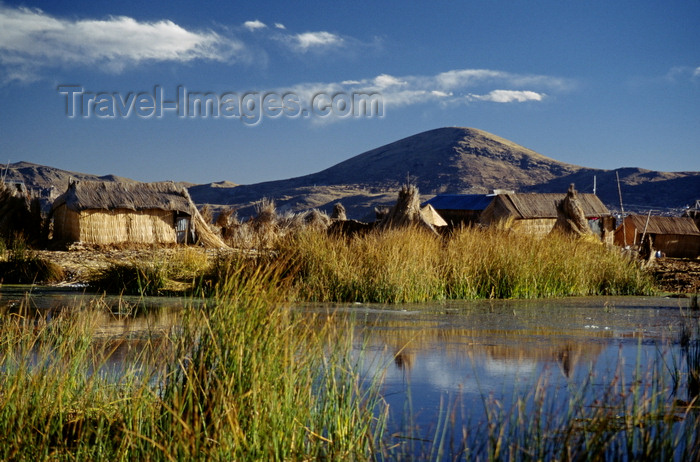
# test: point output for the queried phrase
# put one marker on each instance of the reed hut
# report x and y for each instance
(104, 213)
(536, 213)
(674, 236)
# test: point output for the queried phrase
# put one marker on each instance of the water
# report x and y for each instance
(452, 360)
(455, 360)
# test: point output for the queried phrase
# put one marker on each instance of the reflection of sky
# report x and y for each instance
(457, 353)
(469, 356)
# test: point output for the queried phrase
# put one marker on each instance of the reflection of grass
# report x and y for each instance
(689, 340)
(242, 378)
(635, 420)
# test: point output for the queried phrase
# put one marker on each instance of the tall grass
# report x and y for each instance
(411, 265)
(178, 271)
(19, 264)
(633, 418)
(243, 378)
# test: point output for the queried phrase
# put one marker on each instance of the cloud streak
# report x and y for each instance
(447, 89)
(31, 39)
(510, 96)
(459, 86)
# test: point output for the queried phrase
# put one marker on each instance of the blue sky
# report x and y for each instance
(595, 83)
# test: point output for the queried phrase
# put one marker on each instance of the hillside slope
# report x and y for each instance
(452, 160)
(444, 160)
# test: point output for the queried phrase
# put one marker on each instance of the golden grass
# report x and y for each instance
(411, 265)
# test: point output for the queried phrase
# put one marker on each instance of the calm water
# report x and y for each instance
(449, 360)
(452, 358)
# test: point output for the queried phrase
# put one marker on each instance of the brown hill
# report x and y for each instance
(444, 160)
(452, 160)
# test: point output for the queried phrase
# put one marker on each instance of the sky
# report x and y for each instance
(256, 91)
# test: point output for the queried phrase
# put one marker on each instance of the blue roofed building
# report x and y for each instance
(458, 209)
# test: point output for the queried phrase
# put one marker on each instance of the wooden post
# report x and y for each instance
(645, 227)
(622, 211)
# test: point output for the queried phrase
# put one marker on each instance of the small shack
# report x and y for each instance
(106, 212)
(536, 213)
(674, 236)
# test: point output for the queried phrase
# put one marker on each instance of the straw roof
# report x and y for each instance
(526, 206)
(663, 225)
(112, 195)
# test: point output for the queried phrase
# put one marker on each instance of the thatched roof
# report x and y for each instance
(534, 205)
(663, 225)
(111, 195)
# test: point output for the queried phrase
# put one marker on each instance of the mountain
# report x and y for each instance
(48, 183)
(453, 160)
(40, 177)
(444, 160)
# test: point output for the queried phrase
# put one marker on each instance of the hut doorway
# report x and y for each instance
(182, 226)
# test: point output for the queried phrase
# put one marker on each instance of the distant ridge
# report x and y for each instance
(452, 160)
(443, 160)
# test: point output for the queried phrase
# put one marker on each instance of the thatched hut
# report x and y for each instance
(96, 212)
(537, 214)
(674, 236)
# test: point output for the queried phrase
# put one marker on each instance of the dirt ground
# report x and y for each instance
(677, 275)
(80, 264)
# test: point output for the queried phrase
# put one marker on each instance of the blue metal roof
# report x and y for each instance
(460, 201)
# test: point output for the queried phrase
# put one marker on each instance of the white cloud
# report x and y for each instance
(461, 78)
(460, 86)
(254, 25)
(315, 40)
(386, 80)
(680, 74)
(31, 40)
(510, 96)
(279, 25)
(441, 94)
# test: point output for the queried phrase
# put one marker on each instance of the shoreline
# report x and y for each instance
(673, 276)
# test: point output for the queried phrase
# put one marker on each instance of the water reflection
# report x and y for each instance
(451, 356)
(127, 331)
(463, 354)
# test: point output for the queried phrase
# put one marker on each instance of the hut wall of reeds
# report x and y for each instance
(151, 226)
(675, 236)
(102, 213)
(536, 214)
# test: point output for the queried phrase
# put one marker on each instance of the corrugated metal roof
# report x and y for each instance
(460, 201)
(664, 225)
